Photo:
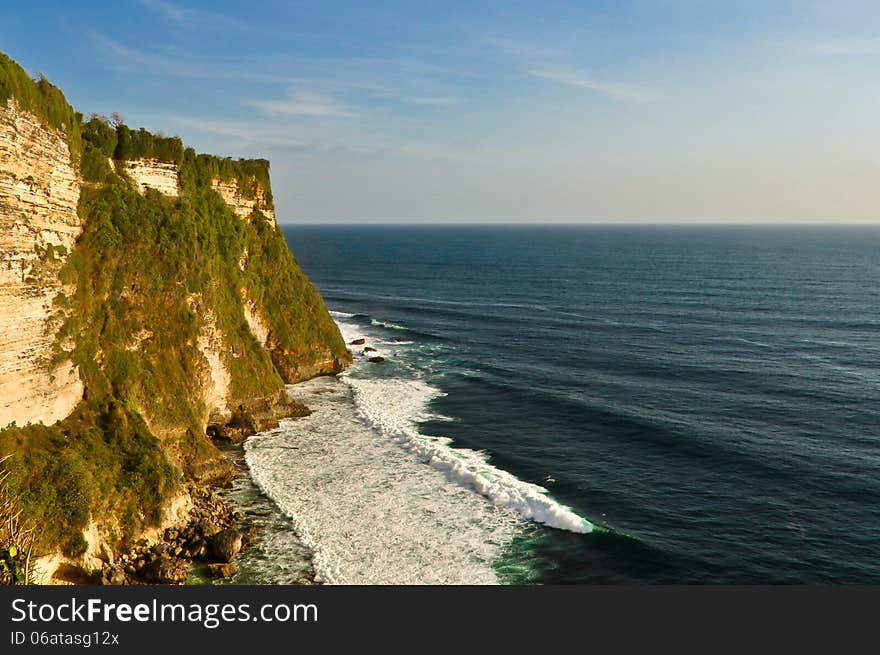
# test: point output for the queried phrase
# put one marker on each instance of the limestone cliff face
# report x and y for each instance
(216, 379)
(165, 178)
(154, 174)
(254, 320)
(40, 222)
(240, 204)
(39, 192)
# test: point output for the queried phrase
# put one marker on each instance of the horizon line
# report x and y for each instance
(633, 223)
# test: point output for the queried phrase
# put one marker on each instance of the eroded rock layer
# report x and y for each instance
(240, 204)
(39, 192)
(154, 174)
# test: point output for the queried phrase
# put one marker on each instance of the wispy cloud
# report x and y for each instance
(618, 91)
(171, 11)
(374, 76)
(257, 134)
(522, 49)
(276, 136)
(120, 52)
(191, 19)
(302, 103)
(264, 137)
(126, 58)
(436, 100)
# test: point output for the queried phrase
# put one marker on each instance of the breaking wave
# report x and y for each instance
(395, 407)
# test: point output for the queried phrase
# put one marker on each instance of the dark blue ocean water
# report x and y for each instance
(711, 395)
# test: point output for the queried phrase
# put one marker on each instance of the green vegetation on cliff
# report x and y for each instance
(153, 275)
(251, 175)
(156, 281)
(17, 536)
(140, 144)
(101, 461)
(273, 279)
(41, 98)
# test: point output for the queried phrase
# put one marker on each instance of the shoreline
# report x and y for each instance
(261, 516)
(220, 533)
(394, 521)
(211, 535)
(216, 502)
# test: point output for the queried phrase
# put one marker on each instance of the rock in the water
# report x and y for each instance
(226, 544)
(222, 570)
(377, 360)
(369, 349)
(357, 342)
(165, 571)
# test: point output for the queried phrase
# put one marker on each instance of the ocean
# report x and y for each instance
(582, 405)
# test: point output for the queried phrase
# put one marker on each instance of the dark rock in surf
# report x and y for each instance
(377, 360)
(226, 544)
(357, 342)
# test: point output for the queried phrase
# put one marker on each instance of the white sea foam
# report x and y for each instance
(350, 331)
(337, 314)
(369, 511)
(395, 407)
(388, 325)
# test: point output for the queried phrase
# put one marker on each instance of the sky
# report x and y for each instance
(507, 111)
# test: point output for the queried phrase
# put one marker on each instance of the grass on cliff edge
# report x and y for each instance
(41, 98)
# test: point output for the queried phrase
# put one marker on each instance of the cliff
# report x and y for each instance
(148, 297)
(39, 192)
